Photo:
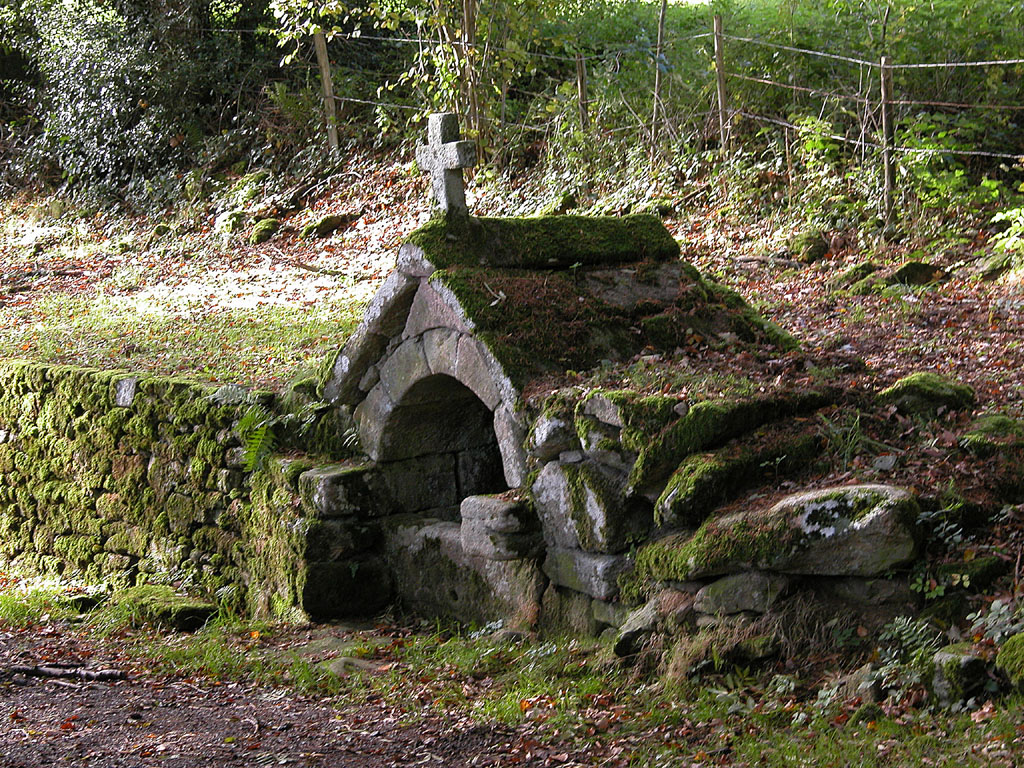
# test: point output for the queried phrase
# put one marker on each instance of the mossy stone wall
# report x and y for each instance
(115, 477)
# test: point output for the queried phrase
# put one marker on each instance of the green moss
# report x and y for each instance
(991, 433)
(550, 242)
(162, 605)
(852, 275)
(925, 393)
(711, 423)
(1010, 661)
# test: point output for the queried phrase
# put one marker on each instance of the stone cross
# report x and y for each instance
(444, 156)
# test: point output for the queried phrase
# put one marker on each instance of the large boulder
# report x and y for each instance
(861, 530)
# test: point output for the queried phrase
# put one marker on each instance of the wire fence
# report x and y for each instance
(865, 96)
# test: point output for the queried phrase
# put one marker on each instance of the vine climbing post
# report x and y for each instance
(887, 140)
(723, 122)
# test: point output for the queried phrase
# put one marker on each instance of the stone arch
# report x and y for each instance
(437, 446)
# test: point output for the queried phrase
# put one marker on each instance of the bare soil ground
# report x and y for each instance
(149, 719)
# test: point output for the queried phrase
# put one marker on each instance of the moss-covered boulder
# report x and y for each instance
(991, 433)
(328, 225)
(161, 605)
(809, 246)
(959, 674)
(230, 222)
(862, 530)
(853, 275)
(1010, 661)
(926, 393)
(917, 273)
(263, 230)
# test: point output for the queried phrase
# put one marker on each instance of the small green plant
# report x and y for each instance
(1002, 620)
(906, 647)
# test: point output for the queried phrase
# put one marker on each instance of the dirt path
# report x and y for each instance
(146, 720)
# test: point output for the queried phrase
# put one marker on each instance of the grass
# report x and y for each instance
(568, 691)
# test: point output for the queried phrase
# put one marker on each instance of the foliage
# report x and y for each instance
(906, 647)
(123, 90)
(1001, 621)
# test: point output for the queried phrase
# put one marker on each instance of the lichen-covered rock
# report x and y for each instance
(263, 230)
(581, 506)
(498, 528)
(864, 530)
(925, 393)
(592, 574)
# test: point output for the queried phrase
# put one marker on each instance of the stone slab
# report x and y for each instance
(591, 574)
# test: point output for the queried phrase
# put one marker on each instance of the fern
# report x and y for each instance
(256, 431)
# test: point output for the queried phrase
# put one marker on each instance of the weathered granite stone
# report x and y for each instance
(581, 506)
(639, 625)
(594, 575)
(441, 346)
(372, 416)
(460, 585)
(472, 369)
(124, 391)
(412, 261)
(612, 614)
(509, 432)
(603, 409)
(497, 528)
(551, 436)
(337, 490)
(403, 368)
(370, 379)
(748, 591)
(860, 530)
(431, 309)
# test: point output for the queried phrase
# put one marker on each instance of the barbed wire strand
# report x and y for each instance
(802, 89)
(809, 52)
(959, 64)
(875, 145)
(913, 103)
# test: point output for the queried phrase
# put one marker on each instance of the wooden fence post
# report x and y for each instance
(887, 140)
(581, 90)
(327, 84)
(657, 76)
(723, 103)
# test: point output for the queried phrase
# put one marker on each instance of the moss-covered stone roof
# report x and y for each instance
(545, 242)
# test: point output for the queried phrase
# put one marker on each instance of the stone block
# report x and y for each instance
(431, 310)
(403, 368)
(638, 626)
(612, 614)
(748, 591)
(413, 262)
(591, 574)
(372, 415)
(581, 506)
(337, 490)
(124, 391)
(459, 585)
(959, 674)
(498, 529)
(551, 436)
(511, 434)
(441, 347)
(473, 370)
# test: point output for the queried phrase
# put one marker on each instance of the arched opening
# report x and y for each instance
(437, 447)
